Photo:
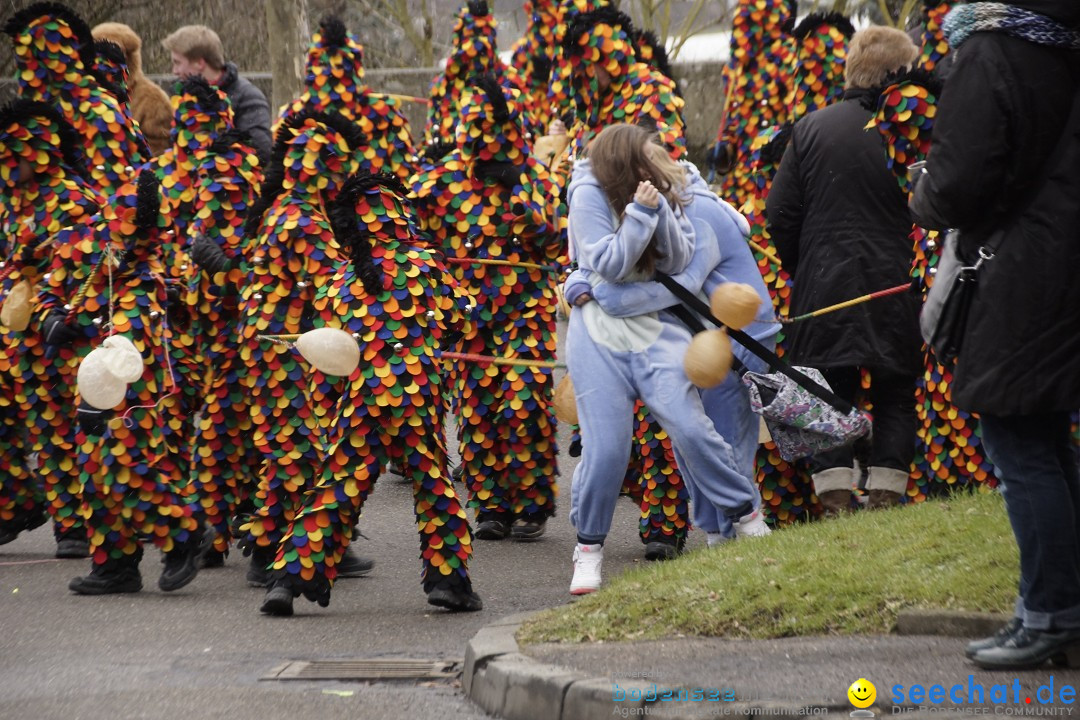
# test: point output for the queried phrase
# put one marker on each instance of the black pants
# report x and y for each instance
(893, 437)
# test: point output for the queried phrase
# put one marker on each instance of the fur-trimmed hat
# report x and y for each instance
(335, 57)
(200, 111)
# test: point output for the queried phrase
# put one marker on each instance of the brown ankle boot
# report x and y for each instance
(882, 499)
(835, 502)
(886, 486)
(833, 488)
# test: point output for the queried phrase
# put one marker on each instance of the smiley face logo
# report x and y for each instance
(862, 693)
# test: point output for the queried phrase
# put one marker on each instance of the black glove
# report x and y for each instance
(207, 255)
(175, 308)
(505, 173)
(478, 8)
(56, 331)
(91, 420)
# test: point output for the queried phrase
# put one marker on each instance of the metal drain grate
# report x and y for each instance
(367, 669)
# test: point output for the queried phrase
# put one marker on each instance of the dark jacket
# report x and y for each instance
(1003, 169)
(250, 109)
(841, 226)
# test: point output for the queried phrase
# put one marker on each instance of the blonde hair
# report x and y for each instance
(197, 42)
(874, 52)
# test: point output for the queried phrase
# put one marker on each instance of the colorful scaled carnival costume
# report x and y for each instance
(42, 191)
(635, 93)
(107, 284)
(212, 174)
(949, 449)
(474, 54)
(395, 297)
(111, 71)
(291, 254)
(489, 205)
(335, 82)
(54, 53)
(533, 57)
(756, 82)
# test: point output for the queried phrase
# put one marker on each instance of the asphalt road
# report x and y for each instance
(199, 652)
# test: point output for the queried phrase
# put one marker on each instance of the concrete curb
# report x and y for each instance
(510, 685)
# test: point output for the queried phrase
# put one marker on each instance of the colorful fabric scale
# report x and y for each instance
(107, 279)
(291, 254)
(394, 296)
(502, 246)
(933, 45)
(54, 53)
(41, 191)
(335, 81)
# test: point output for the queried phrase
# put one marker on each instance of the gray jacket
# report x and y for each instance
(250, 109)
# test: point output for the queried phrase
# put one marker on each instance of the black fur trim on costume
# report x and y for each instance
(437, 150)
(275, 169)
(72, 148)
(541, 68)
(774, 149)
(333, 31)
(349, 234)
(225, 141)
(114, 55)
(494, 92)
(915, 76)
(147, 201)
(814, 20)
(582, 23)
(205, 94)
(21, 20)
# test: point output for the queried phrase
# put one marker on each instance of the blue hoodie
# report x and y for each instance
(728, 259)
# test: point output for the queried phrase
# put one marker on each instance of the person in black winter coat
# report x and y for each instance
(1002, 171)
(841, 224)
(197, 50)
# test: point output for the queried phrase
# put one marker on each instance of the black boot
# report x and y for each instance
(662, 547)
(114, 576)
(1027, 649)
(492, 525)
(528, 527)
(278, 601)
(353, 565)
(1006, 632)
(24, 521)
(453, 593)
(73, 544)
(258, 574)
(182, 563)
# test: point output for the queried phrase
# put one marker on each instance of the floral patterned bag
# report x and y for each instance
(800, 422)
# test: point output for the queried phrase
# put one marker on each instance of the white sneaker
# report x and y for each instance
(715, 539)
(587, 562)
(752, 525)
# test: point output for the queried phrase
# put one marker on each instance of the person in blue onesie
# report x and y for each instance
(614, 361)
(728, 404)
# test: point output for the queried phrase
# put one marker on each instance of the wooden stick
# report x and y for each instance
(487, 261)
(471, 357)
(848, 303)
(406, 98)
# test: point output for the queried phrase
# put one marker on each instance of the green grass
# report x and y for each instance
(851, 575)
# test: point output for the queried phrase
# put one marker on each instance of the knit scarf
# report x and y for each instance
(963, 20)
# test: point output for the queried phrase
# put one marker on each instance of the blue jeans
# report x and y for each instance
(1034, 458)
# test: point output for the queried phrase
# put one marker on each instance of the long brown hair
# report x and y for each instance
(623, 155)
